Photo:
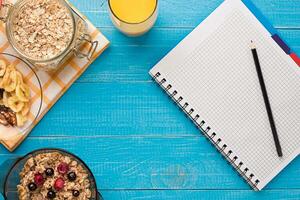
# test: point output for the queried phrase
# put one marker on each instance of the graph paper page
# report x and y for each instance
(213, 71)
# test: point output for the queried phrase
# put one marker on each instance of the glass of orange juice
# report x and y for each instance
(133, 17)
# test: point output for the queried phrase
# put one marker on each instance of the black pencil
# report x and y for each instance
(266, 99)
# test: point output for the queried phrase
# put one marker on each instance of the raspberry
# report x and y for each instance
(63, 168)
(38, 179)
(59, 184)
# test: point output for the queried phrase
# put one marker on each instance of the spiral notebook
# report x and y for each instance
(211, 75)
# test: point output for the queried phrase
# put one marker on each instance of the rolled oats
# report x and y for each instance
(43, 29)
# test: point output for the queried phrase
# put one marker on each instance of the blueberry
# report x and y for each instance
(51, 194)
(72, 176)
(32, 186)
(49, 172)
(76, 193)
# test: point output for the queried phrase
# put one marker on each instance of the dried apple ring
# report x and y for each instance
(5, 78)
(15, 104)
(11, 83)
(19, 77)
(25, 109)
(21, 119)
(23, 92)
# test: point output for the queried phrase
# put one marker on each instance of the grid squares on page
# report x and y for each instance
(210, 84)
(284, 99)
(235, 92)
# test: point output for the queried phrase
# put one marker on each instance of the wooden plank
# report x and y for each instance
(281, 13)
(155, 162)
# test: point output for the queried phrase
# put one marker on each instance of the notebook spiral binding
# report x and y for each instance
(206, 130)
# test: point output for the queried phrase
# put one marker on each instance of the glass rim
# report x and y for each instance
(19, 50)
(153, 12)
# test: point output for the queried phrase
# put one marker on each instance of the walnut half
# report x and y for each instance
(7, 116)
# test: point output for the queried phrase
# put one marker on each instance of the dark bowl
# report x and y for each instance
(12, 179)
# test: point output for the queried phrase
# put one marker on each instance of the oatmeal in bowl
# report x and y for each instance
(51, 174)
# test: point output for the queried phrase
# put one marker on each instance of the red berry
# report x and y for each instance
(38, 179)
(63, 168)
(59, 184)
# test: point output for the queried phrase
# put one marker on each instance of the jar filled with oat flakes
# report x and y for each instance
(46, 32)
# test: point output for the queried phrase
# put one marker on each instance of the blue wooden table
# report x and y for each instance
(136, 142)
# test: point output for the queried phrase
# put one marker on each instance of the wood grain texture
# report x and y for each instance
(139, 144)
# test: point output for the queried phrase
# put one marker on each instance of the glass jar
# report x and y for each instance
(79, 37)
